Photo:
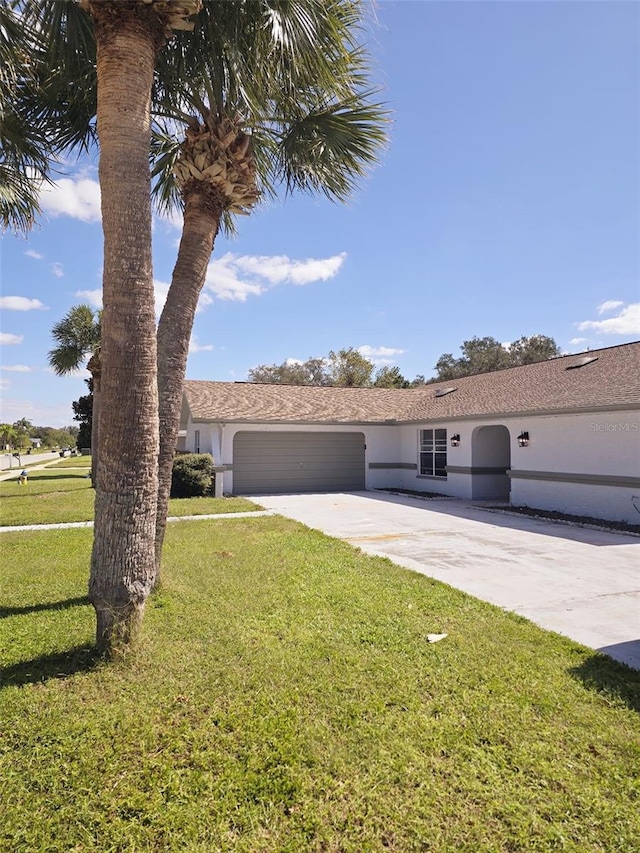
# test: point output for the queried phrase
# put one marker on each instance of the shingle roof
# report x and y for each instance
(612, 380)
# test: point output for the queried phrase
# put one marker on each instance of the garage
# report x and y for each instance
(295, 462)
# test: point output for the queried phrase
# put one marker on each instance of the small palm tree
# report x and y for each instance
(255, 119)
(77, 336)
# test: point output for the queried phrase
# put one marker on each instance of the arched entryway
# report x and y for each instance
(490, 463)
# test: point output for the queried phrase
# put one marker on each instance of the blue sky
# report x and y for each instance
(507, 204)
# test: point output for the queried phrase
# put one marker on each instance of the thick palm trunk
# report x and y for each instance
(95, 432)
(201, 221)
(122, 563)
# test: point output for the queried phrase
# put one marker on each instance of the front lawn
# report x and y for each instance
(284, 698)
(52, 497)
(72, 462)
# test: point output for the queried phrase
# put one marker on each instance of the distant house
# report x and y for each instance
(562, 434)
(36, 442)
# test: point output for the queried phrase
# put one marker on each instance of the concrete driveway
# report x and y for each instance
(582, 583)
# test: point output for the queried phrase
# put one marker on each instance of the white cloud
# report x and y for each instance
(31, 253)
(194, 346)
(174, 219)
(6, 338)
(575, 341)
(93, 297)
(279, 268)
(222, 280)
(204, 300)
(78, 198)
(627, 322)
(20, 303)
(608, 306)
(4, 383)
(239, 276)
(378, 352)
(292, 361)
(16, 368)
(160, 289)
(57, 270)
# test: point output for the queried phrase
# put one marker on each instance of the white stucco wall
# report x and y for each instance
(614, 503)
(602, 445)
(597, 445)
(585, 443)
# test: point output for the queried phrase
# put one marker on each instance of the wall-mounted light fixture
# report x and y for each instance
(523, 439)
(455, 440)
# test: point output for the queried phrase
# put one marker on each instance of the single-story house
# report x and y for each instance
(562, 434)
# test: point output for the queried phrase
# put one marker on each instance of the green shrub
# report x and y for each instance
(192, 475)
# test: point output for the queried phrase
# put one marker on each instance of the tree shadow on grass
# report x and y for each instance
(5, 612)
(56, 665)
(613, 680)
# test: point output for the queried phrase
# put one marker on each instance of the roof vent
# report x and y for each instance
(586, 359)
(442, 392)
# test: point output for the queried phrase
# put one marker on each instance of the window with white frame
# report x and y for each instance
(433, 452)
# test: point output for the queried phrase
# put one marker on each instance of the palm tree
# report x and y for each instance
(250, 125)
(126, 38)
(23, 147)
(77, 336)
(8, 436)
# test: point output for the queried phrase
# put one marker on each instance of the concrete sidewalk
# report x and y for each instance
(580, 582)
(69, 525)
(14, 472)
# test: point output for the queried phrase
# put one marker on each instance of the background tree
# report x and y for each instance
(77, 337)
(83, 413)
(532, 349)
(346, 367)
(390, 377)
(417, 381)
(349, 368)
(62, 437)
(8, 436)
(23, 430)
(483, 355)
(287, 373)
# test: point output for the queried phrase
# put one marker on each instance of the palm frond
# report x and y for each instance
(165, 149)
(77, 335)
(296, 74)
(329, 150)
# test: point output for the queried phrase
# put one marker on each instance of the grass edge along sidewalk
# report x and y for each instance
(284, 698)
(53, 496)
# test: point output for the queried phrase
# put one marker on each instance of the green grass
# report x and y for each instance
(284, 699)
(72, 462)
(52, 497)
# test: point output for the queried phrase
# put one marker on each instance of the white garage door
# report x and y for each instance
(292, 462)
